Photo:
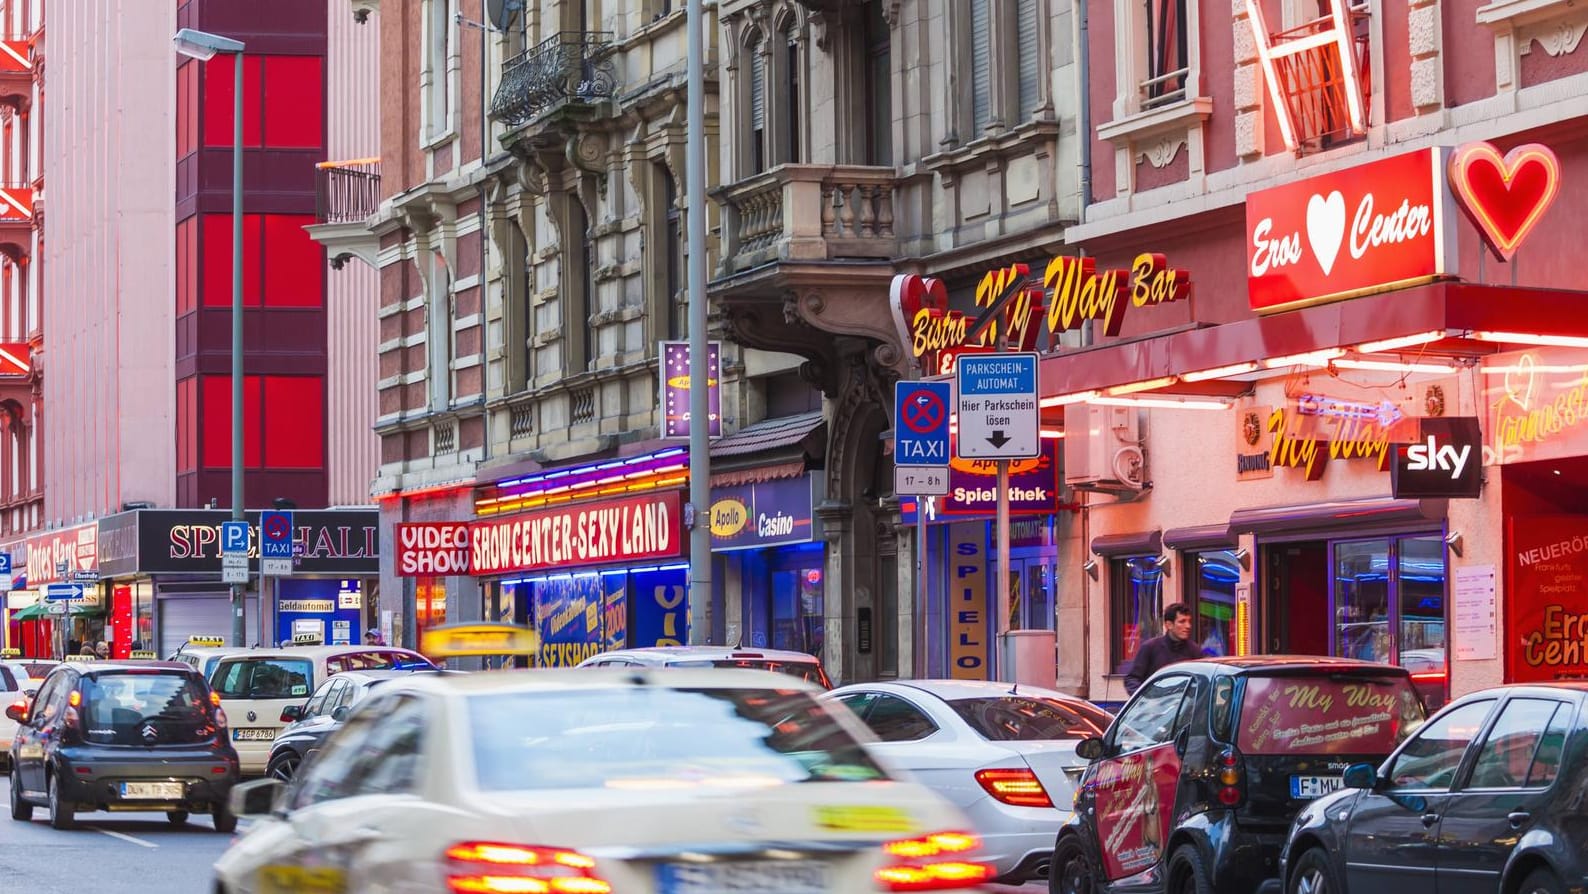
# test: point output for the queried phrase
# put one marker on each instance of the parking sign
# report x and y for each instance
(234, 538)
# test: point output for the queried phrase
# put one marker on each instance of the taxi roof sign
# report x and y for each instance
(10, 653)
(476, 640)
(81, 658)
(308, 639)
(142, 654)
(202, 640)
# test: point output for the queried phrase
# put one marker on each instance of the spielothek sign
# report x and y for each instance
(1382, 225)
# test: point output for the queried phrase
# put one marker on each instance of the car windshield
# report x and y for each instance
(1018, 718)
(1334, 714)
(649, 737)
(809, 671)
(143, 708)
(264, 678)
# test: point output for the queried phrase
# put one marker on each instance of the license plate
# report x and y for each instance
(1313, 786)
(253, 734)
(163, 791)
(758, 877)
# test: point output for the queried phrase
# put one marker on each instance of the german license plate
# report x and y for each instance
(1313, 786)
(752, 877)
(253, 734)
(159, 791)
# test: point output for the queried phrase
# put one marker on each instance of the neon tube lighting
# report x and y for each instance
(1310, 358)
(1395, 344)
(1528, 338)
(1163, 403)
(1516, 368)
(1391, 366)
(1219, 372)
(1148, 385)
(1063, 399)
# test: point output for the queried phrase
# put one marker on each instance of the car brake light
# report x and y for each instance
(1229, 775)
(483, 867)
(215, 699)
(937, 862)
(1017, 787)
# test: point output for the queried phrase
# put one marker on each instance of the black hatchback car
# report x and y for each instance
(1194, 785)
(122, 736)
(1487, 796)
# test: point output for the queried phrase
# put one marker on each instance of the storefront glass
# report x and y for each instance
(1210, 594)
(1136, 583)
(430, 604)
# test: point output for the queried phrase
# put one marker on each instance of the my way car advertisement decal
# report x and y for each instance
(1135, 799)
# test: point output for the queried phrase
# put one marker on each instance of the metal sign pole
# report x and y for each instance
(919, 647)
(1001, 623)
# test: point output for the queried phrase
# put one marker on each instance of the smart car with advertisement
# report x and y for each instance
(1193, 787)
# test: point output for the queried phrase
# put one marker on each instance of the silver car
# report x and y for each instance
(1002, 753)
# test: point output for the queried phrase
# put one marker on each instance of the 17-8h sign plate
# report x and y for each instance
(997, 407)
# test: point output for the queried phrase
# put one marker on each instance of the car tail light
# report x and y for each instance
(938, 862)
(1018, 787)
(483, 867)
(215, 699)
(1228, 771)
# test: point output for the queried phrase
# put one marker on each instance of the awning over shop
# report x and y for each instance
(782, 447)
(1437, 320)
(1322, 517)
(1200, 537)
(40, 611)
(1141, 543)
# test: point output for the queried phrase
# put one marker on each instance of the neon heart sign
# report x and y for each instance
(1504, 197)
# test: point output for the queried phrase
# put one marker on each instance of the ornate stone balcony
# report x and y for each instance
(568, 67)
(807, 213)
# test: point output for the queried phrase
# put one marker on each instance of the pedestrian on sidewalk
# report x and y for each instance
(1161, 651)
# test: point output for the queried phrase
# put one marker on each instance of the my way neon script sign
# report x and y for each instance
(1072, 291)
(1378, 226)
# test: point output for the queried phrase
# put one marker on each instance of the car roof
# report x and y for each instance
(670, 653)
(376, 676)
(1256, 663)
(557, 679)
(1551, 687)
(315, 652)
(91, 668)
(952, 690)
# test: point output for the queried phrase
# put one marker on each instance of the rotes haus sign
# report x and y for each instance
(432, 549)
(1382, 225)
(640, 527)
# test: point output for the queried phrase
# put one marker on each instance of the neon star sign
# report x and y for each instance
(1337, 39)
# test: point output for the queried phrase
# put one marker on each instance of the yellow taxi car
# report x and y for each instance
(594, 781)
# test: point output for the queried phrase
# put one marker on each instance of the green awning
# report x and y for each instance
(41, 611)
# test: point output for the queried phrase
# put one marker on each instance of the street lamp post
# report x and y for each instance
(203, 46)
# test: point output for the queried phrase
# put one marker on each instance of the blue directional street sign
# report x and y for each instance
(275, 535)
(63, 592)
(920, 423)
(234, 538)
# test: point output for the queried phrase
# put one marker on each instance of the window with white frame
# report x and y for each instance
(1157, 60)
(1167, 62)
(1004, 44)
(436, 78)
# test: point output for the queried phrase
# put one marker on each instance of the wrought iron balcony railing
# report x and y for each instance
(571, 66)
(346, 191)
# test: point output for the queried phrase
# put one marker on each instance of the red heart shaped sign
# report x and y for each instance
(1504, 197)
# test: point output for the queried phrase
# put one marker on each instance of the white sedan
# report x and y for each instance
(593, 781)
(1003, 753)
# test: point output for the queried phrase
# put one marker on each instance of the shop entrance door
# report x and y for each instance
(1389, 606)
(1033, 579)
(1295, 606)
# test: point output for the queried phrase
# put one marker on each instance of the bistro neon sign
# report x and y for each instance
(1072, 292)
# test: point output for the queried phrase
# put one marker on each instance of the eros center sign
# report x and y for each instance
(1386, 224)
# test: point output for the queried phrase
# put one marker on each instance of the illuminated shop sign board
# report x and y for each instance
(594, 533)
(432, 549)
(1504, 196)
(1072, 291)
(1374, 227)
(1446, 461)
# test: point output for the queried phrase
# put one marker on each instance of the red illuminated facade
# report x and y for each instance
(284, 274)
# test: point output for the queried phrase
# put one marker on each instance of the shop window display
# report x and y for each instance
(1210, 593)
(1136, 585)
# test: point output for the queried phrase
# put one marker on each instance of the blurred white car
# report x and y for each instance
(796, 664)
(1004, 754)
(19, 679)
(593, 781)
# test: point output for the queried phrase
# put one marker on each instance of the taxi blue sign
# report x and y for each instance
(920, 423)
(275, 535)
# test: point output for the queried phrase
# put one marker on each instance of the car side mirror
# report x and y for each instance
(18, 711)
(291, 713)
(341, 712)
(1089, 748)
(1363, 776)
(256, 798)
(30, 692)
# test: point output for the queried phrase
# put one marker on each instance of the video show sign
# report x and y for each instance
(647, 526)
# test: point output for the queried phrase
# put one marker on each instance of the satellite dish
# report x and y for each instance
(503, 12)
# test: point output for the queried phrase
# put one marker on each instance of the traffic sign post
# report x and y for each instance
(63, 592)
(234, 538)
(920, 467)
(234, 569)
(999, 419)
(275, 535)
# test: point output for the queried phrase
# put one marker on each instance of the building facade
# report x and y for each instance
(141, 301)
